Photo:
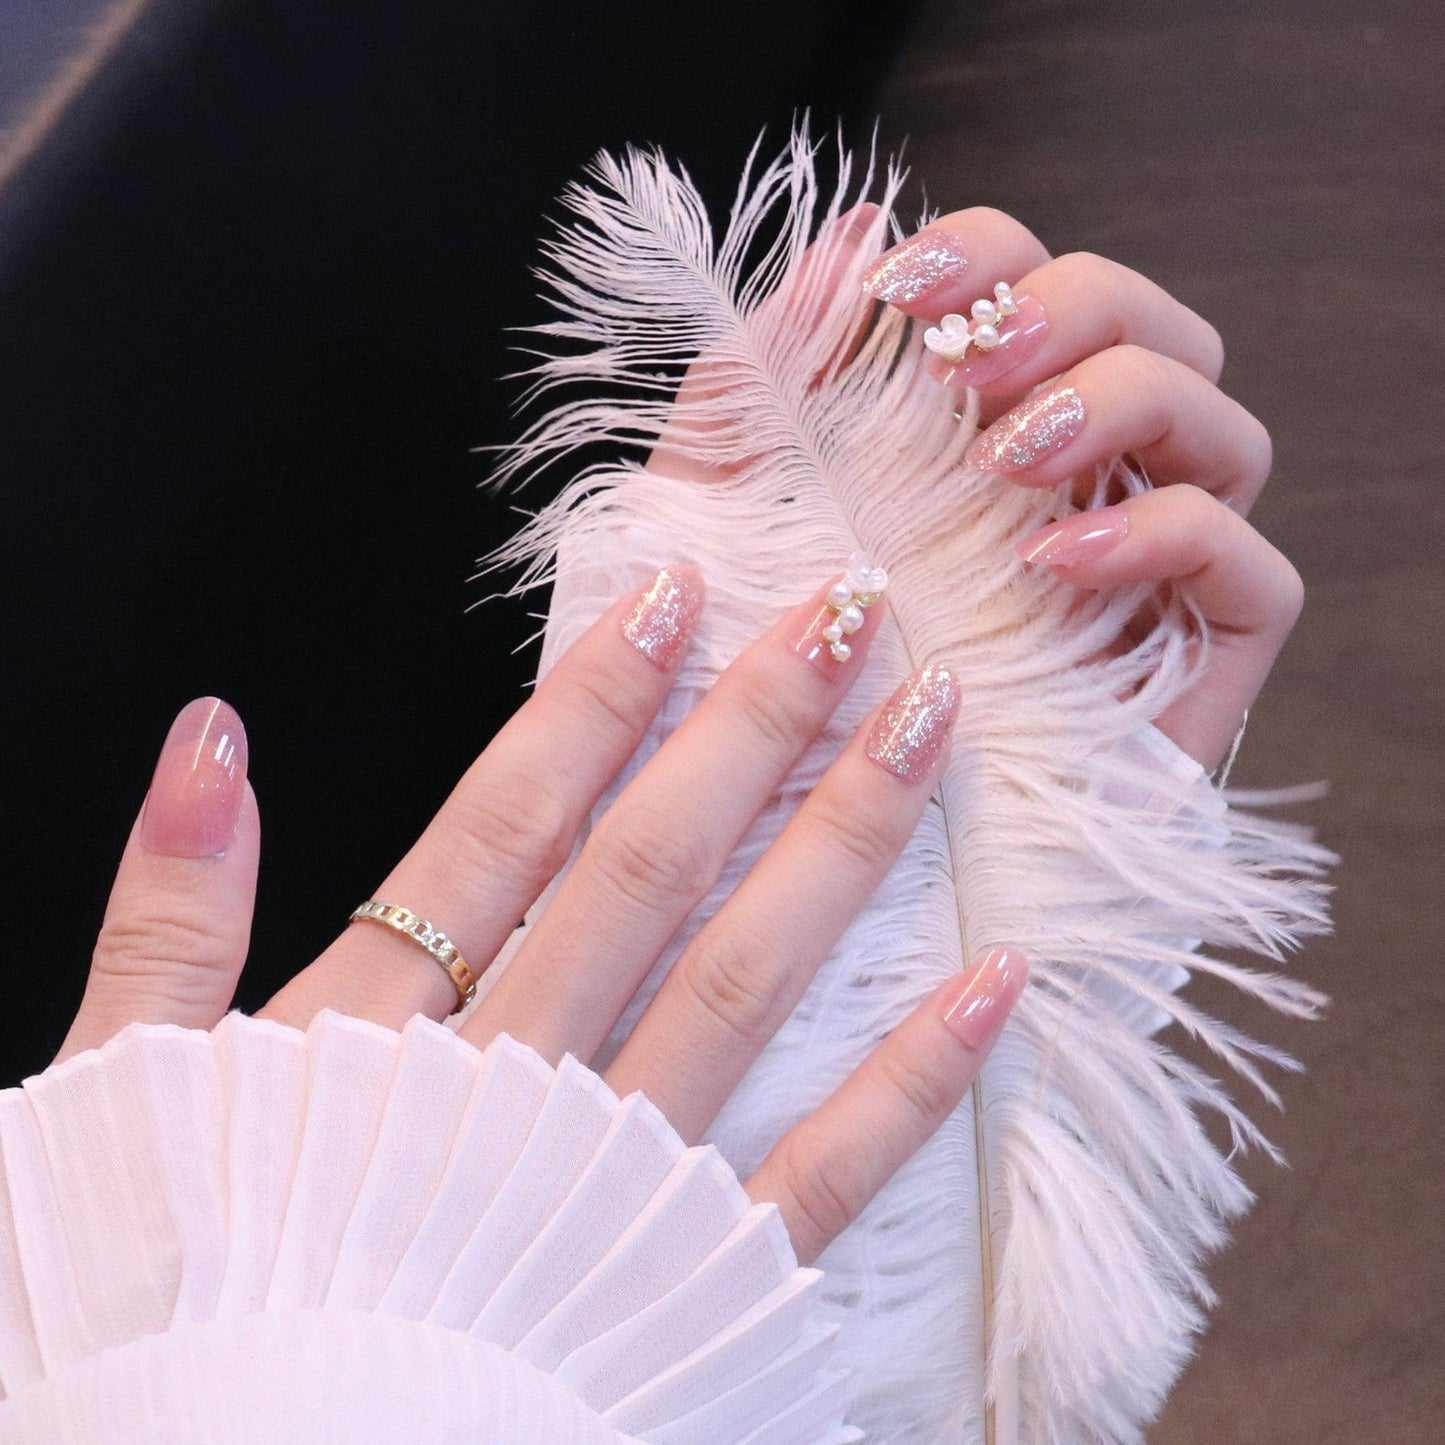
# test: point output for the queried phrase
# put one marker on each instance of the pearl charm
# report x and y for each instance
(953, 336)
(860, 587)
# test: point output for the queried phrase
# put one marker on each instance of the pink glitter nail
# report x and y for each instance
(920, 265)
(661, 624)
(914, 725)
(1026, 435)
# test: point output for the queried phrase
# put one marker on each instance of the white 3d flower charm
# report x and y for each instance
(951, 338)
(860, 586)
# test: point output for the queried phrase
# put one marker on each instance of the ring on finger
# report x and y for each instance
(426, 936)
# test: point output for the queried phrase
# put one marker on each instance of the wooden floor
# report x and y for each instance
(1280, 167)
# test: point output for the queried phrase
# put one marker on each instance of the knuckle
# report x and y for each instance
(1290, 593)
(603, 699)
(519, 823)
(1092, 273)
(1259, 448)
(139, 944)
(1145, 370)
(847, 832)
(770, 715)
(658, 863)
(730, 977)
(819, 1203)
(1211, 349)
(927, 1095)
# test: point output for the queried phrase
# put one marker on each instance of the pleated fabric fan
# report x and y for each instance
(261, 1235)
(1035, 1274)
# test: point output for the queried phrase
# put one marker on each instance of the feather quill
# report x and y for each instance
(1036, 1272)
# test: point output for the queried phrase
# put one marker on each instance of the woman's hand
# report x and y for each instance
(1130, 371)
(175, 932)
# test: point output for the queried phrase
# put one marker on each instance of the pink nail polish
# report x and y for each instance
(914, 725)
(1019, 338)
(662, 623)
(837, 628)
(912, 270)
(985, 997)
(1026, 435)
(1079, 538)
(195, 794)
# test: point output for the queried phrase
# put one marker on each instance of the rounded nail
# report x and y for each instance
(985, 997)
(915, 268)
(195, 794)
(911, 731)
(662, 622)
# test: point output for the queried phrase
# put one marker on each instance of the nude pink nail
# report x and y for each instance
(1020, 337)
(196, 791)
(985, 997)
(1030, 432)
(915, 723)
(837, 629)
(917, 267)
(1079, 538)
(661, 625)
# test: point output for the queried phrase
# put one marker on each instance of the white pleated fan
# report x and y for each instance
(1036, 1272)
(259, 1234)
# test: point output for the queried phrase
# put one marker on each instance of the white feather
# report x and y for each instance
(1065, 824)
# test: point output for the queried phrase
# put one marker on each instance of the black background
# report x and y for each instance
(253, 316)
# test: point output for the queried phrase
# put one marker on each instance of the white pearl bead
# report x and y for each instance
(983, 311)
(833, 632)
(840, 594)
(850, 619)
(1003, 290)
(841, 651)
(985, 337)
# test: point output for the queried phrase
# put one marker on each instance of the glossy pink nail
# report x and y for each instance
(1019, 337)
(836, 627)
(1026, 435)
(1079, 538)
(986, 995)
(195, 794)
(917, 267)
(661, 625)
(913, 727)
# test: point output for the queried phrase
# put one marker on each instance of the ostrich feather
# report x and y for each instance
(1037, 1271)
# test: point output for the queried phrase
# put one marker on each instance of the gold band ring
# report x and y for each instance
(433, 940)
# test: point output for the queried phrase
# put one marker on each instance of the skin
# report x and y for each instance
(176, 929)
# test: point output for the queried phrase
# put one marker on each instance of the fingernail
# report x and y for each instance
(195, 794)
(662, 623)
(1026, 435)
(1079, 538)
(829, 640)
(985, 997)
(1019, 337)
(918, 266)
(914, 725)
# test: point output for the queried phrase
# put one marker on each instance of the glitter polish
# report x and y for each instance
(914, 725)
(918, 266)
(194, 802)
(985, 997)
(1079, 538)
(1026, 435)
(661, 625)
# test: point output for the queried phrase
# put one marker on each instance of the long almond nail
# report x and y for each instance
(917, 267)
(661, 625)
(914, 725)
(1026, 435)
(1019, 337)
(195, 794)
(1079, 538)
(985, 997)
(830, 637)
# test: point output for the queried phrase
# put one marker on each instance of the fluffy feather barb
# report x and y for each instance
(1066, 823)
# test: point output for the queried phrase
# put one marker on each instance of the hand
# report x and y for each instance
(176, 927)
(1131, 371)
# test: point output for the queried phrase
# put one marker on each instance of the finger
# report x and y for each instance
(1178, 426)
(823, 1172)
(1066, 311)
(952, 261)
(178, 921)
(745, 971)
(660, 846)
(510, 824)
(1248, 592)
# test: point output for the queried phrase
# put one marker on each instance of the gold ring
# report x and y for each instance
(433, 940)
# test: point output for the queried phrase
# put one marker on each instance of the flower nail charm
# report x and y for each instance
(861, 585)
(952, 337)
